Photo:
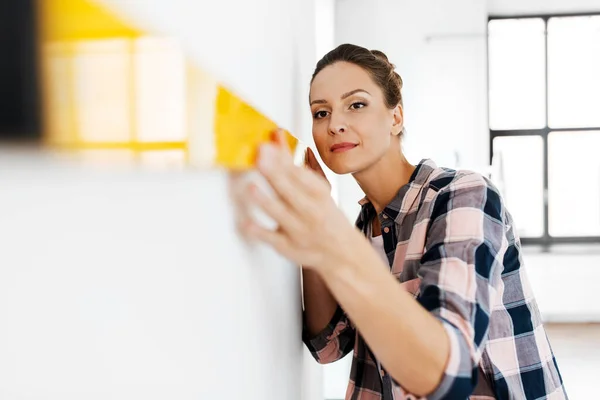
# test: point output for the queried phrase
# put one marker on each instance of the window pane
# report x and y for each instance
(517, 86)
(574, 183)
(521, 181)
(573, 72)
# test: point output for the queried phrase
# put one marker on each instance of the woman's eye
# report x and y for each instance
(320, 114)
(357, 105)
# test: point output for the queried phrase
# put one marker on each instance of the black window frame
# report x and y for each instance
(546, 239)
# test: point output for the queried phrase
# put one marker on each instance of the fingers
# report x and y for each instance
(312, 161)
(283, 176)
(296, 186)
(313, 164)
(236, 189)
(274, 238)
(313, 184)
(279, 138)
(276, 209)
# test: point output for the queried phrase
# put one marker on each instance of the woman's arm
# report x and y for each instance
(410, 343)
(319, 304)
(433, 346)
(327, 332)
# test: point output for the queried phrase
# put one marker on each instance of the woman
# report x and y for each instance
(456, 316)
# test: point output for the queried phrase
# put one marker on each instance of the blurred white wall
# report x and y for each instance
(261, 48)
(565, 282)
(115, 269)
(128, 284)
(265, 50)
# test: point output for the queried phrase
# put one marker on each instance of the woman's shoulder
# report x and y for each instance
(443, 178)
(464, 188)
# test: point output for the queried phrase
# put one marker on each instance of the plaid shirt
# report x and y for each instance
(450, 242)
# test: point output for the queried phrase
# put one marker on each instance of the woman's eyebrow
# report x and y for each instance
(345, 95)
(350, 93)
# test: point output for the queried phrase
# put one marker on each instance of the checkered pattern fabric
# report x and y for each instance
(451, 242)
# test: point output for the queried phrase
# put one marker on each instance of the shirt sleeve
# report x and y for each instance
(461, 274)
(334, 342)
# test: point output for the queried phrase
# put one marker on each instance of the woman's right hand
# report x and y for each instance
(310, 161)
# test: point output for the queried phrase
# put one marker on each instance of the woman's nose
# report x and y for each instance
(337, 127)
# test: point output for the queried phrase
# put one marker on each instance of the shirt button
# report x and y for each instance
(386, 229)
(385, 216)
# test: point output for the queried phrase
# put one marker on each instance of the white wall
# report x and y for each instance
(321, 30)
(127, 284)
(131, 302)
(264, 49)
(248, 45)
(565, 282)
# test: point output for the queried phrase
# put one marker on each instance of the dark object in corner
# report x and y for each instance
(20, 114)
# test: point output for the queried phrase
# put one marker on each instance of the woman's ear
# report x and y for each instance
(398, 124)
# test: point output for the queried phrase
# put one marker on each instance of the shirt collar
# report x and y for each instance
(418, 178)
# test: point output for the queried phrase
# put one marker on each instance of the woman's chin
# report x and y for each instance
(344, 163)
(342, 168)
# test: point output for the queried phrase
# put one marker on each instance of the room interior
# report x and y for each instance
(121, 120)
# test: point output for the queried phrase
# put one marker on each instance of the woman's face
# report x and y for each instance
(352, 126)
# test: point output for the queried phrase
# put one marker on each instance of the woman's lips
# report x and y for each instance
(341, 147)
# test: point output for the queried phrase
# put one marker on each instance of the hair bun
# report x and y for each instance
(381, 55)
(399, 80)
(392, 68)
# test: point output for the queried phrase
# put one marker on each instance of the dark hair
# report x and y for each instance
(374, 62)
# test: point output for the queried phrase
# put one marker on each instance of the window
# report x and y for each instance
(544, 118)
